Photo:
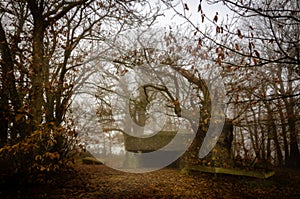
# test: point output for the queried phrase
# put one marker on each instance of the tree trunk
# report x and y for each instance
(10, 93)
(253, 137)
(221, 153)
(3, 121)
(284, 135)
(294, 160)
(36, 97)
(191, 154)
(273, 134)
(290, 105)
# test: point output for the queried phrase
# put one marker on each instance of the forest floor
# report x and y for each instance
(100, 181)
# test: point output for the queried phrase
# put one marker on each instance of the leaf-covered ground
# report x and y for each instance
(99, 181)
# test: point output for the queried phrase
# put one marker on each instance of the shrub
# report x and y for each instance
(43, 153)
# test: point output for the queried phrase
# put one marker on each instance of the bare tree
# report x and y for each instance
(44, 45)
(259, 55)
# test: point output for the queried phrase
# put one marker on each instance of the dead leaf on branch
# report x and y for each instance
(186, 7)
(216, 17)
(256, 53)
(202, 17)
(18, 117)
(239, 33)
(199, 8)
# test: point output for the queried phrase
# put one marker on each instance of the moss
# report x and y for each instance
(91, 160)
(260, 184)
(185, 171)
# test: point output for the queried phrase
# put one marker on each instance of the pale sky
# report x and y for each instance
(193, 14)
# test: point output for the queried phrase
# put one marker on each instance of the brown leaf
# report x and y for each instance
(218, 29)
(199, 42)
(179, 48)
(216, 18)
(256, 53)
(250, 46)
(255, 62)
(18, 117)
(186, 6)
(237, 47)
(239, 34)
(199, 8)
(222, 55)
(42, 168)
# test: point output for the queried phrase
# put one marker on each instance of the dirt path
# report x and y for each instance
(102, 182)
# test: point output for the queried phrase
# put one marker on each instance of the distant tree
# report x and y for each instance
(168, 55)
(44, 48)
(260, 60)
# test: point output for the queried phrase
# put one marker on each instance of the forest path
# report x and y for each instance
(100, 181)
